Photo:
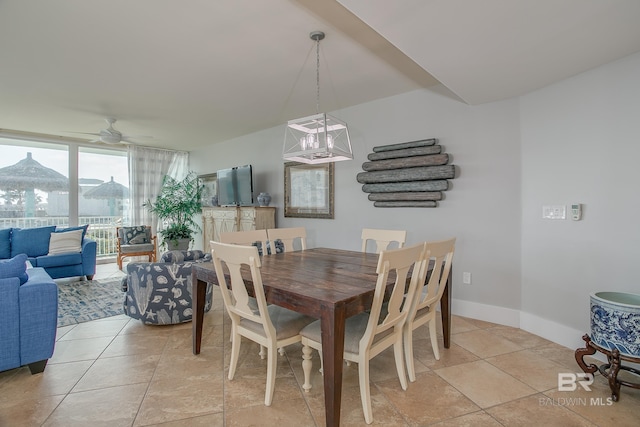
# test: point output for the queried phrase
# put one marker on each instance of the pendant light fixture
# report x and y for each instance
(320, 138)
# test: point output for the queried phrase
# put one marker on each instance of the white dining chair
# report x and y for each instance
(288, 236)
(247, 238)
(270, 326)
(428, 295)
(382, 238)
(368, 334)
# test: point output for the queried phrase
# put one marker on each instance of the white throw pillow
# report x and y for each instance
(65, 242)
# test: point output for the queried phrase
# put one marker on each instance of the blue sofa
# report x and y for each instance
(28, 315)
(34, 242)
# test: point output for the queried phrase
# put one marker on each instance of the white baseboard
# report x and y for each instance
(553, 331)
(556, 332)
(547, 329)
(488, 313)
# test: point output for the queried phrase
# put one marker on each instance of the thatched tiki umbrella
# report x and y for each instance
(109, 191)
(28, 175)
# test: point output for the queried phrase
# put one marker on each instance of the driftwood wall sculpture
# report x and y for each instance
(410, 174)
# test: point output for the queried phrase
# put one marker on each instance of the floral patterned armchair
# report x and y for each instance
(159, 293)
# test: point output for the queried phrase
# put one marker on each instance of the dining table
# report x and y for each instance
(325, 283)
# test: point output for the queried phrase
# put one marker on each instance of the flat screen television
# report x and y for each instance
(235, 186)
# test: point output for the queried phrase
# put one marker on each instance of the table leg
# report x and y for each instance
(445, 310)
(198, 296)
(332, 323)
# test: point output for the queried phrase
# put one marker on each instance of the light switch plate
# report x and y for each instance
(554, 212)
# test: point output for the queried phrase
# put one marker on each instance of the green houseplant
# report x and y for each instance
(177, 203)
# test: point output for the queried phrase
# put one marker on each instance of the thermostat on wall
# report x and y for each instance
(576, 212)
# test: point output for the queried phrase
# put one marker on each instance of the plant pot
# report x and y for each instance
(182, 245)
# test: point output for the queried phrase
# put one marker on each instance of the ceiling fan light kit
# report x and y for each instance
(320, 138)
(111, 135)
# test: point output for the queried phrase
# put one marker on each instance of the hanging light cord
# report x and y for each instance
(317, 75)
(317, 36)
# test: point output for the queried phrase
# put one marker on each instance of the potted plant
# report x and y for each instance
(177, 203)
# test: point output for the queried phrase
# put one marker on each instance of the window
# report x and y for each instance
(40, 185)
(103, 198)
(33, 174)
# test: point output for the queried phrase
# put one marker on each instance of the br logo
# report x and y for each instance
(568, 381)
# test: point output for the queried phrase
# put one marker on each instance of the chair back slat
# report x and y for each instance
(383, 238)
(232, 259)
(401, 262)
(288, 236)
(247, 238)
(441, 255)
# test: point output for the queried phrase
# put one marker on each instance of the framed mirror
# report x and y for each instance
(308, 190)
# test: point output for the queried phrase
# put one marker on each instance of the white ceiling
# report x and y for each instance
(196, 72)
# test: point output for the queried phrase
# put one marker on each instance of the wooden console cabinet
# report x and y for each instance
(216, 220)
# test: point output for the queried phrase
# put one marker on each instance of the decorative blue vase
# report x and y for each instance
(615, 317)
(264, 199)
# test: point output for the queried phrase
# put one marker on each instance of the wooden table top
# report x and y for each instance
(304, 280)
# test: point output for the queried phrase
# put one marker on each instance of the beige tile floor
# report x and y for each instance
(119, 372)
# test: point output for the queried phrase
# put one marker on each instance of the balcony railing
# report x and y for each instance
(102, 229)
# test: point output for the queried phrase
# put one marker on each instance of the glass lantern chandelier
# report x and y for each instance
(320, 138)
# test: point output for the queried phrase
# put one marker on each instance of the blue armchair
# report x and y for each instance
(28, 317)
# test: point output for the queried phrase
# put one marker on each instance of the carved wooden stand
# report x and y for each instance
(608, 370)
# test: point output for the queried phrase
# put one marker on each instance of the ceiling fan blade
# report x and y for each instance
(136, 136)
(84, 133)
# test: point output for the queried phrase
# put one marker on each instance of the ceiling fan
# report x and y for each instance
(111, 135)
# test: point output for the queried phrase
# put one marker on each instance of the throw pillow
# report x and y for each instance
(5, 243)
(14, 267)
(139, 239)
(69, 241)
(31, 241)
(81, 227)
(131, 235)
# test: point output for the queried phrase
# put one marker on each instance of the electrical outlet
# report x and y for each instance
(466, 278)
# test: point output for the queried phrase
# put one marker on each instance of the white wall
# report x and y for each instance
(577, 141)
(580, 144)
(482, 208)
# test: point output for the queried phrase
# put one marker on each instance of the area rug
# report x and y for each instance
(89, 300)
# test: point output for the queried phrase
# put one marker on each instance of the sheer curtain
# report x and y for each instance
(147, 168)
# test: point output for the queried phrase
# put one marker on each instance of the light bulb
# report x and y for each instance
(330, 142)
(311, 141)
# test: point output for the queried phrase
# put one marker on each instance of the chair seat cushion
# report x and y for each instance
(130, 249)
(355, 327)
(287, 323)
(422, 312)
(60, 260)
